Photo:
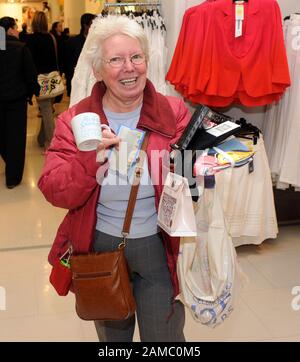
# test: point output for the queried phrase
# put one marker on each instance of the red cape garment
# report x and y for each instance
(189, 46)
(253, 66)
(251, 70)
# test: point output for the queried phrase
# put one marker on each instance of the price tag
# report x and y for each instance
(239, 17)
(239, 12)
(251, 166)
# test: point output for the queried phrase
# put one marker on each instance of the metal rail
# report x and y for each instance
(131, 4)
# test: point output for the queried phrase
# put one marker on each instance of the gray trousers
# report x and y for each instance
(47, 126)
(152, 289)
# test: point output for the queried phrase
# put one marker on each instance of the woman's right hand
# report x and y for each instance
(109, 140)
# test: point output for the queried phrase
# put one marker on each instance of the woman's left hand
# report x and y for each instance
(109, 140)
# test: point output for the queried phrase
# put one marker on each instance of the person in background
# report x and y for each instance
(47, 11)
(18, 83)
(56, 28)
(57, 31)
(66, 34)
(42, 47)
(74, 46)
(117, 52)
(23, 36)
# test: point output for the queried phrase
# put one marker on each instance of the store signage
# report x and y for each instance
(2, 299)
(2, 39)
(296, 300)
(296, 39)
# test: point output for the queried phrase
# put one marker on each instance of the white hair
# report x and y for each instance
(90, 56)
(103, 28)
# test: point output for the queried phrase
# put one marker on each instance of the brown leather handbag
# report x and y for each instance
(101, 281)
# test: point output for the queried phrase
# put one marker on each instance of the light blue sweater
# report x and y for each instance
(114, 195)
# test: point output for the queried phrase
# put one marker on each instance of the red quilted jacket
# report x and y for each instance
(68, 178)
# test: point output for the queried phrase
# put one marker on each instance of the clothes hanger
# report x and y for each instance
(289, 16)
(248, 130)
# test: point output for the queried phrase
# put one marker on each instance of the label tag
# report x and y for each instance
(223, 128)
(238, 28)
(239, 17)
(239, 12)
(251, 166)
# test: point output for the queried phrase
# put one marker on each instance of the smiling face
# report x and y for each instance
(125, 84)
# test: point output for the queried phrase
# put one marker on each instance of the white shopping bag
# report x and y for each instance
(51, 85)
(176, 211)
(207, 265)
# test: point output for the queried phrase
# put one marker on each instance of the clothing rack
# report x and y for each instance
(108, 5)
(287, 205)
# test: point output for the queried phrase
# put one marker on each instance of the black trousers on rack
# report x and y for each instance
(13, 126)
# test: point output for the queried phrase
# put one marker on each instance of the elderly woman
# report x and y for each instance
(117, 50)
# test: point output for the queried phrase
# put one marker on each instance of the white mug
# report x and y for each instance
(87, 130)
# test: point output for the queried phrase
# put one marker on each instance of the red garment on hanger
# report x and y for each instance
(189, 47)
(212, 67)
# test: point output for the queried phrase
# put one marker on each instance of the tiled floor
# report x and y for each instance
(35, 313)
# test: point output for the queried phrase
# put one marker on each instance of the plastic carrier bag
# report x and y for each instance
(207, 265)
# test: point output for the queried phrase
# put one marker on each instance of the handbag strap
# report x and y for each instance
(55, 48)
(134, 191)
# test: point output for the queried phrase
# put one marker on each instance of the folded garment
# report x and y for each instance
(231, 144)
(207, 166)
(236, 156)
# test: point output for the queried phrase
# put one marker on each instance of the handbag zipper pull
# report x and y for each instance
(65, 258)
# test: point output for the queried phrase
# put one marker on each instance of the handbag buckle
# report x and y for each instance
(139, 171)
(124, 242)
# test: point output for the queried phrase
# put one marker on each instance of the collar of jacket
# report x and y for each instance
(227, 6)
(156, 114)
